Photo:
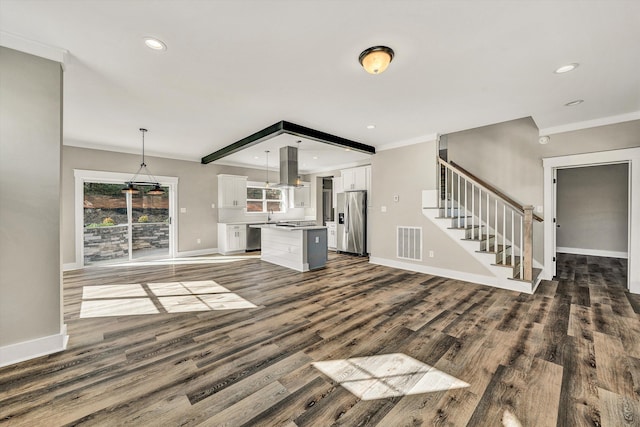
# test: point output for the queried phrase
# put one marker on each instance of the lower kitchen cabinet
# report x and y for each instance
(232, 238)
(332, 237)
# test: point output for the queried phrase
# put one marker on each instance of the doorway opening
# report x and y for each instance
(629, 159)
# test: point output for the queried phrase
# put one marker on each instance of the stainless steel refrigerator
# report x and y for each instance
(352, 222)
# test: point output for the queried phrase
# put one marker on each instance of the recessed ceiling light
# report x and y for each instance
(315, 157)
(155, 44)
(347, 149)
(574, 103)
(567, 68)
(256, 157)
(371, 126)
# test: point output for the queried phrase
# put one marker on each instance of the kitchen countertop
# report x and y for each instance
(265, 222)
(285, 228)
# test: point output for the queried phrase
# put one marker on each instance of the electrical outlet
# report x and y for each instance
(431, 254)
(317, 239)
(213, 205)
(383, 208)
(183, 210)
(198, 241)
(396, 198)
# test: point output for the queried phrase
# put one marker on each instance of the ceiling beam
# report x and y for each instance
(292, 129)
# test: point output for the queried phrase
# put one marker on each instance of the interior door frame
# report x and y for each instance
(81, 176)
(631, 156)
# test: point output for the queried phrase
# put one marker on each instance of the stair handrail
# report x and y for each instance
(490, 188)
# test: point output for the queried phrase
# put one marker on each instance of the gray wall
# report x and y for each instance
(508, 156)
(405, 172)
(30, 135)
(197, 190)
(592, 207)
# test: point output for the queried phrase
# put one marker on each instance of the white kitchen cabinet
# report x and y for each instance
(301, 196)
(232, 191)
(337, 188)
(232, 238)
(355, 178)
(332, 237)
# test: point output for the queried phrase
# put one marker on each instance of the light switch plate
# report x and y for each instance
(183, 210)
(383, 208)
(396, 198)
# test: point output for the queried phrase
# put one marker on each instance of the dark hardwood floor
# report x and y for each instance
(567, 356)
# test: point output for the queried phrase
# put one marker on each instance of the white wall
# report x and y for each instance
(30, 135)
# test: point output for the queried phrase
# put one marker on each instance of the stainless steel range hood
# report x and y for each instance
(289, 167)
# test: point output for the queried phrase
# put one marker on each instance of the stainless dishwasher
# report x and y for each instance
(253, 238)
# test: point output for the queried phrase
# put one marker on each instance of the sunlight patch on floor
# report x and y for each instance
(387, 375)
(213, 259)
(155, 298)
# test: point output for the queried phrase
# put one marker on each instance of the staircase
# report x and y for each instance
(487, 224)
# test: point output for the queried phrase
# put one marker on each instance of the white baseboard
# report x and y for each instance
(592, 252)
(197, 252)
(496, 282)
(71, 266)
(19, 352)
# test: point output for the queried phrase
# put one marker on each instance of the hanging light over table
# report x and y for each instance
(133, 182)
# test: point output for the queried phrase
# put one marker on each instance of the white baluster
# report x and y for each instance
(466, 186)
(504, 234)
(459, 210)
(488, 219)
(513, 238)
(495, 226)
(473, 210)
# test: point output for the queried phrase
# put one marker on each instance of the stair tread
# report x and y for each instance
(535, 273)
(468, 227)
(508, 263)
(483, 239)
(492, 249)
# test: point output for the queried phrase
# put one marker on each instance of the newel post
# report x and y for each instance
(527, 255)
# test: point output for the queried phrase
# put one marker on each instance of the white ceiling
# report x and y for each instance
(235, 67)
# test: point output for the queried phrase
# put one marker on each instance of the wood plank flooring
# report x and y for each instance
(567, 356)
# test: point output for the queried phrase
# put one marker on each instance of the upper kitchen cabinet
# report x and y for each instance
(301, 196)
(232, 191)
(356, 178)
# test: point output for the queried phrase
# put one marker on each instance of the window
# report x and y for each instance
(260, 199)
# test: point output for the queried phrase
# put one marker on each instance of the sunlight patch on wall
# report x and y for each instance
(387, 375)
(156, 298)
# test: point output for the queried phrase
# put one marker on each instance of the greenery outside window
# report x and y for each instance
(263, 200)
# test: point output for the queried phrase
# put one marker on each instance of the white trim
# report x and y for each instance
(70, 266)
(32, 47)
(69, 142)
(511, 285)
(26, 350)
(592, 252)
(430, 137)
(602, 121)
(627, 155)
(198, 252)
(82, 175)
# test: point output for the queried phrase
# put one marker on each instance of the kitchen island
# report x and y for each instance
(300, 248)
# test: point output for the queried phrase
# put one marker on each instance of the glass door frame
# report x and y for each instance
(81, 176)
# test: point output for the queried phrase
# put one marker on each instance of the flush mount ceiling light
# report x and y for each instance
(133, 182)
(155, 44)
(567, 68)
(371, 126)
(574, 103)
(376, 59)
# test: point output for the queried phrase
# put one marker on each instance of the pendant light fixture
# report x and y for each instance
(298, 179)
(266, 180)
(376, 59)
(133, 182)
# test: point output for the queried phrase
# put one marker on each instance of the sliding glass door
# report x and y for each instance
(121, 227)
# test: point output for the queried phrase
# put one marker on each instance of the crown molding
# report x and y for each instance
(602, 121)
(32, 47)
